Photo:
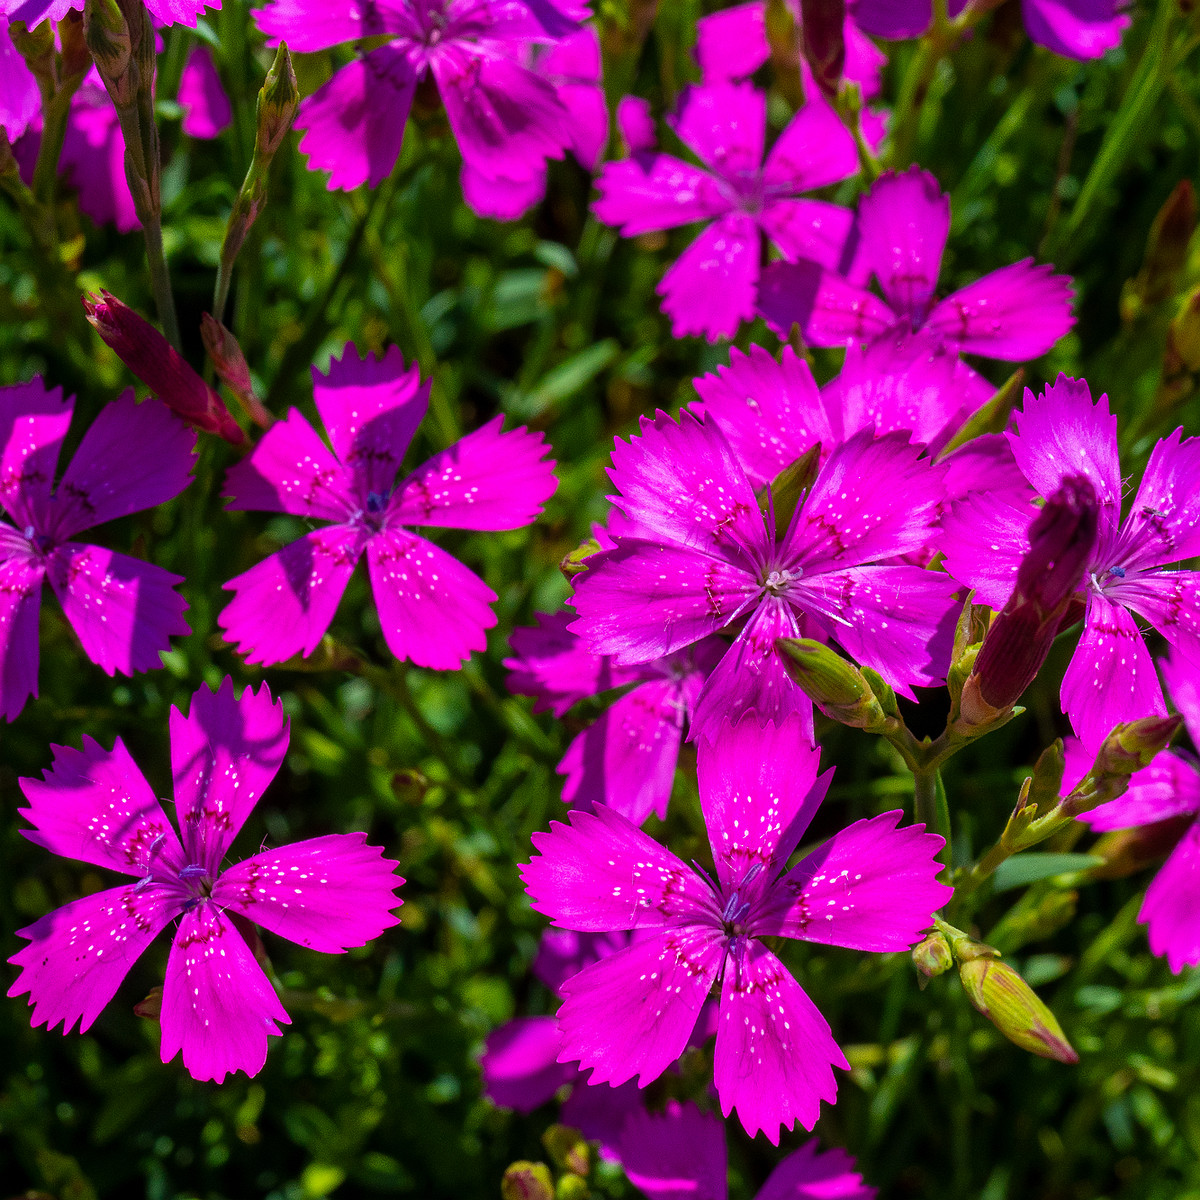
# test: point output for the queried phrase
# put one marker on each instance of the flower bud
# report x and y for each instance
(230, 365)
(823, 41)
(1166, 253)
(1128, 851)
(276, 107)
(1128, 748)
(76, 58)
(788, 487)
(108, 40)
(150, 1009)
(1014, 1008)
(1061, 540)
(568, 1148)
(527, 1181)
(159, 366)
(837, 687)
(36, 47)
(575, 563)
(932, 957)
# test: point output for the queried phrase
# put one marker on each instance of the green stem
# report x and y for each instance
(925, 791)
(160, 279)
(942, 37)
(54, 130)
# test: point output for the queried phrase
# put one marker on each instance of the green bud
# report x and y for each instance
(1166, 253)
(36, 47)
(527, 1181)
(108, 39)
(410, 786)
(568, 1148)
(932, 957)
(275, 110)
(837, 687)
(1014, 1008)
(1183, 336)
(572, 1187)
(575, 563)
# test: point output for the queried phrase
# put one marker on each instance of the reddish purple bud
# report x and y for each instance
(822, 30)
(159, 366)
(1061, 541)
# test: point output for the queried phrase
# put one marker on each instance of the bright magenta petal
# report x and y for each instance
(724, 125)
(829, 310)
(1171, 910)
(33, 423)
(20, 602)
(650, 192)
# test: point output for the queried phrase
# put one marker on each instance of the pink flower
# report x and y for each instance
(507, 119)
(1079, 29)
(124, 610)
(1017, 312)
(1061, 432)
(706, 557)
(870, 887)
(1166, 790)
(20, 100)
(679, 1154)
(432, 609)
(206, 108)
(711, 289)
(328, 893)
(627, 757)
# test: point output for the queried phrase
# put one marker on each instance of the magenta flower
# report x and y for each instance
(123, 610)
(20, 100)
(206, 108)
(708, 557)
(1079, 29)
(432, 609)
(1060, 433)
(711, 289)
(679, 1154)
(327, 893)
(1017, 312)
(164, 12)
(507, 119)
(870, 887)
(627, 757)
(1167, 790)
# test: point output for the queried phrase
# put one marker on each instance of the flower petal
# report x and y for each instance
(1110, 677)
(308, 25)
(774, 1050)
(1163, 525)
(106, 481)
(600, 873)
(79, 954)
(724, 125)
(217, 1006)
(433, 610)
(829, 309)
(811, 229)
(649, 192)
(1170, 910)
(632, 1013)
(1078, 29)
(870, 887)
(224, 753)
(20, 602)
(732, 44)
(812, 1174)
(520, 1066)
(206, 108)
(487, 480)
(1169, 600)
(291, 471)
(770, 412)
(983, 540)
(33, 423)
(678, 1154)
(20, 100)
(710, 288)
(283, 605)
(1015, 313)
(124, 611)
(1168, 787)
(95, 806)
(903, 223)
(758, 791)
(327, 893)
(354, 125)
(814, 149)
(371, 407)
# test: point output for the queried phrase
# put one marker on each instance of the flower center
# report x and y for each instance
(778, 581)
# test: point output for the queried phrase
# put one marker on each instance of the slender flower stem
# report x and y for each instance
(925, 797)
(54, 130)
(160, 279)
(942, 37)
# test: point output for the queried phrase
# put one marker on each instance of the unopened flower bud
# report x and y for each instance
(230, 365)
(527, 1181)
(1128, 748)
(568, 1148)
(823, 41)
(932, 957)
(837, 687)
(276, 107)
(787, 489)
(1061, 540)
(159, 366)
(108, 40)
(1166, 253)
(1128, 851)
(36, 47)
(150, 1009)
(1014, 1008)
(76, 58)
(1183, 335)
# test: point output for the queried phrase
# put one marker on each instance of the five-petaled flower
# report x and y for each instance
(432, 609)
(870, 887)
(124, 610)
(94, 805)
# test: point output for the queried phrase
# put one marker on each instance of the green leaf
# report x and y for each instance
(1029, 868)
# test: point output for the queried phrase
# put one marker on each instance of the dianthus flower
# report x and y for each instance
(706, 556)
(626, 758)
(507, 119)
(711, 289)
(680, 1153)
(1060, 433)
(1166, 791)
(124, 610)
(95, 806)
(870, 887)
(431, 608)
(1017, 312)
(206, 107)
(1079, 29)
(164, 12)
